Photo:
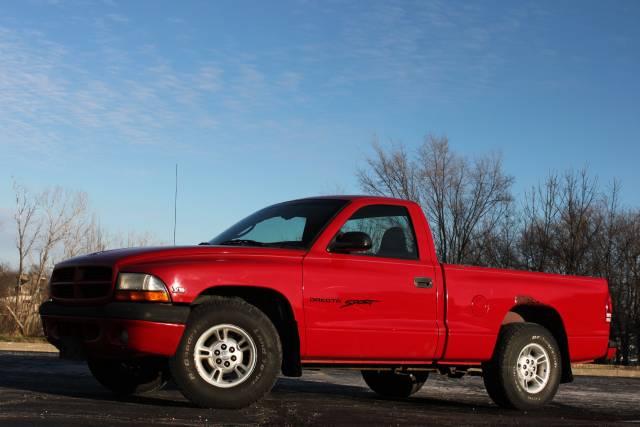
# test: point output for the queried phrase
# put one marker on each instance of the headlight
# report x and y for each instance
(141, 287)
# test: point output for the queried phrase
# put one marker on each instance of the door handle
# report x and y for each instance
(423, 282)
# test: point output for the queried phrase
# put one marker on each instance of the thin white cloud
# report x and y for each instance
(134, 92)
(45, 92)
(420, 49)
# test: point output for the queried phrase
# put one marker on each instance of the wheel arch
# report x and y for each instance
(276, 307)
(551, 320)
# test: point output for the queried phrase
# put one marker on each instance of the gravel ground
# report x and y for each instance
(39, 389)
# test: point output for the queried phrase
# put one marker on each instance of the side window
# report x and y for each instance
(390, 229)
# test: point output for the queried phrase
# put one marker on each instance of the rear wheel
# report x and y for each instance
(229, 356)
(394, 384)
(124, 377)
(526, 368)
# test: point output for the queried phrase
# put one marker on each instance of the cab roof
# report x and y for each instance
(361, 197)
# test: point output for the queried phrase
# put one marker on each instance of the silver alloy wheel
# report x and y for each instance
(533, 368)
(225, 355)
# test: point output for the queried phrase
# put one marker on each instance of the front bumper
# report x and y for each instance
(118, 329)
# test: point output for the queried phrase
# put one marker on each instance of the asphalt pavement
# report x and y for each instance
(39, 389)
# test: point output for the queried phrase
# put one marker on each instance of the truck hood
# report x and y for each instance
(152, 254)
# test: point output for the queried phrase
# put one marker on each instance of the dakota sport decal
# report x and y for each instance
(347, 303)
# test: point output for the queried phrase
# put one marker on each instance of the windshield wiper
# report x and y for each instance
(241, 242)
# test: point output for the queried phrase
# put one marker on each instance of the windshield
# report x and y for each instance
(291, 224)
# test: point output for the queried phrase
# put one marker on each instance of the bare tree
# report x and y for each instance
(27, 233)
(461, 198)
(540, 214)
(498, 243)
(580, 222)
(62, 213)
(27, 226)
(391, 174)
(563, 218)
(470, 196)
(42, 222)
(132, 240)
(86, 237)
(6, 280)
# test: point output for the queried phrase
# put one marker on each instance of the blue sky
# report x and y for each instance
(260, 102)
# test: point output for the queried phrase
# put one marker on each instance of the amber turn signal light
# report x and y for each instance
(140, 296)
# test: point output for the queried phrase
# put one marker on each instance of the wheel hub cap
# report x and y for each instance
(225, 355)
(533, 368)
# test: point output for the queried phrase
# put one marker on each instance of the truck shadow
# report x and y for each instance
(51, 376)
(322, 396)
(321, 391)
(358, 401)
(62, 379)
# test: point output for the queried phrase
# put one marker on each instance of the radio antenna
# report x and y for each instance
(175, 208)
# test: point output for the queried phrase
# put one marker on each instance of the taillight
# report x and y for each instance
(608, 310)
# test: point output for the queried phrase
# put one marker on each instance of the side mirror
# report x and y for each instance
(351, 241)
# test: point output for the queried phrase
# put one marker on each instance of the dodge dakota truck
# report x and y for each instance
(343, 281)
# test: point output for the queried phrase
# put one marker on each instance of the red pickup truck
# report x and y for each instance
(346, 281)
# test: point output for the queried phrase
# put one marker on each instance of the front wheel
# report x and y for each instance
(526, 367)
(229, 356)
(394, 384)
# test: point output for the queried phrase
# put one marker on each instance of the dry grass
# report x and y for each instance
(19, 338)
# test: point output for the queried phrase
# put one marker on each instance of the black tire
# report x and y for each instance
(258, 381)
(502, 375)
(124, 377)
(394, 384)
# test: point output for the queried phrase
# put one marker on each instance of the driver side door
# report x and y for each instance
(372, 305)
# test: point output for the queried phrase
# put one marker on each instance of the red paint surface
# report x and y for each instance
(143, 337)
(402, 324)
